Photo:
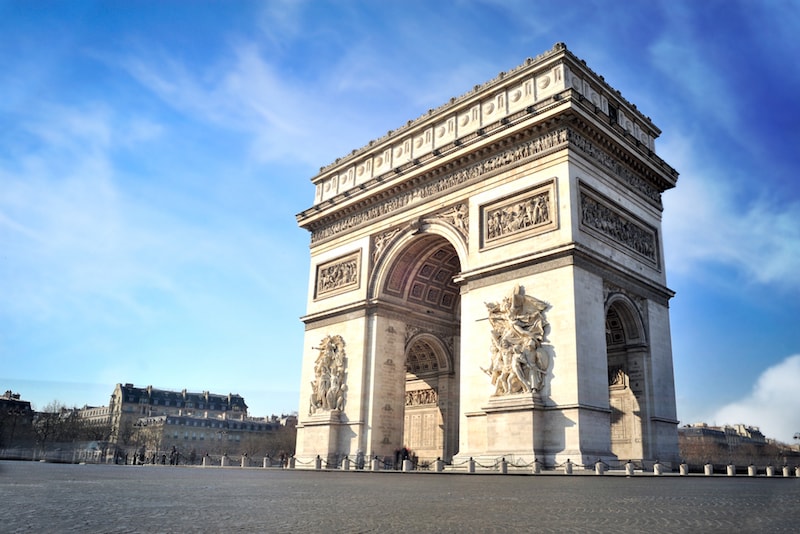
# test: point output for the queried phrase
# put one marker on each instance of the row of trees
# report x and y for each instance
(54, 426)
(699, 451)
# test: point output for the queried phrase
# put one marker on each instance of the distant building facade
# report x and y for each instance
(738, 444)
(16, 420)
(129, 403)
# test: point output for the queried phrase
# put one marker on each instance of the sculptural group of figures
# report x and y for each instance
(328, 387)
(519, 216)
(518, 361)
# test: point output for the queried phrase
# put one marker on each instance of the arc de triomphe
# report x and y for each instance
(488, 281)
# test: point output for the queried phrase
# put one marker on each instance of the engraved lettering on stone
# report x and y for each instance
(422, 397)
(338, 275)
(518, 216)
(328, 387)
(518, 362)
(621, 229)
(522, 152)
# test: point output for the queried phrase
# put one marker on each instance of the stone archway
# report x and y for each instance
(627, 352)
(417, 288)
(425, 422)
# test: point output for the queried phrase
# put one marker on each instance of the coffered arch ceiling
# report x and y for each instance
(423, 275)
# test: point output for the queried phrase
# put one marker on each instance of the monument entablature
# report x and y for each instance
(495, 271)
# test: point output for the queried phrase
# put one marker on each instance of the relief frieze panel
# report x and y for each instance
(422, 397)
(338, 276)
(531, 212)
(600, 216)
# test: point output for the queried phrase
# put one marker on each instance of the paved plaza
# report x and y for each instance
(42, 497)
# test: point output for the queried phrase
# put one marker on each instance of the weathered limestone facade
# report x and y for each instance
(488, 281)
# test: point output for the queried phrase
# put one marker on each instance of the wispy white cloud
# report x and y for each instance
(76, 235)
(773, 404)
(716, 220)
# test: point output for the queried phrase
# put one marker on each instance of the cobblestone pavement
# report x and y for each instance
(53, 498)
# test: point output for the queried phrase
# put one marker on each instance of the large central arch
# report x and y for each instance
(418, 275)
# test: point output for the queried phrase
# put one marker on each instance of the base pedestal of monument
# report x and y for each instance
(510, 427)
(319, 433)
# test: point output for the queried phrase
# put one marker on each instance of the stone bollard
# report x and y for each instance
(408, 465)
(568, 467)
(205, 461)
(770, 471)
(752, 470)
(708, 470)
(599, 468)
(629, 468)
(786, 472)
(291, 462)
(503, 467)
(438, 465)
(318, 463)
(658, 468)
(684, 470)
(265, 462)
(797, 471)
(731, 470)
(346, 464)
(244, 461)
(471, 465)
(537, 467)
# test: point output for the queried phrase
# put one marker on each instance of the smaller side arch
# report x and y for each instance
(425, 346)
(621, 307)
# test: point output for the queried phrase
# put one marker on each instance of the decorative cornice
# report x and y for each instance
(516, 155)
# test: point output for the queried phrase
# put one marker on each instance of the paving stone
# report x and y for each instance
(42, 497)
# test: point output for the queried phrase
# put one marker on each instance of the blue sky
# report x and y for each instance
(153, 156)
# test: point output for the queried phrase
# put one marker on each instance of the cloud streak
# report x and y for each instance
(711, 221)
(773, 404)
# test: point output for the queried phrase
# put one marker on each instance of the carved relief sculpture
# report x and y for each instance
(328, 387)
(518, 362)
(379, 243)
(458, 216)
(519, 216)
(422, 397)
(600, 217)
(339, 275)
